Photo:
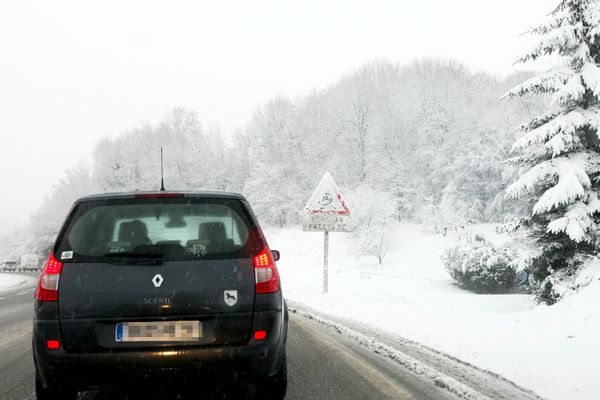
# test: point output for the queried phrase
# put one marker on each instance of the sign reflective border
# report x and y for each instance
(326, 210)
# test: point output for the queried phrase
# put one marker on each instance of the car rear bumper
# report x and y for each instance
(116, 367)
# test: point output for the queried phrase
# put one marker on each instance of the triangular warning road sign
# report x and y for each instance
(326, 199)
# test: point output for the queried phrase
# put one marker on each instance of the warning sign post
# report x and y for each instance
(326, 212)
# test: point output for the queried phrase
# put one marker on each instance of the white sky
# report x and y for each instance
(73, 71)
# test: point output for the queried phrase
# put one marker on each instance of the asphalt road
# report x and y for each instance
(321, 365)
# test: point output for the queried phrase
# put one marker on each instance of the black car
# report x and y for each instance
(149, 285)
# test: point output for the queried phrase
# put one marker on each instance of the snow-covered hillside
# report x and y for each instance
(551, 350)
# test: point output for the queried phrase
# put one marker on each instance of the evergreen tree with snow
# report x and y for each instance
(561, 148)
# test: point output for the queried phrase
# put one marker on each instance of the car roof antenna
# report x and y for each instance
(162, 181)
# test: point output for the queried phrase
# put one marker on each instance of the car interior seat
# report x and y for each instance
(215, 234)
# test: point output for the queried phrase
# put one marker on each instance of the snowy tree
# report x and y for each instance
(194, 157)
(47, 220)
(372, 218)
(436, 122)
(561, 148)
(275, 198)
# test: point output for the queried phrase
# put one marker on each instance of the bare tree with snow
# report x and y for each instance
(372, 218)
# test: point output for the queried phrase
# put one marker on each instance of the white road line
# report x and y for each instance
(2, 298)
(22, 293)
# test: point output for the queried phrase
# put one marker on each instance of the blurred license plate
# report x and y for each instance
(158, 331)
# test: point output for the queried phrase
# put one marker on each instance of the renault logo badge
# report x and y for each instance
(157, 280)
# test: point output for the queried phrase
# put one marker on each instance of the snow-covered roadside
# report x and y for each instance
(551, 350)
(462, 380)
(9, 282)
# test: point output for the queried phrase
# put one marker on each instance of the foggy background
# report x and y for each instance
(72, 72)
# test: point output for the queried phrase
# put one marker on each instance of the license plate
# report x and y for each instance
(158, 331)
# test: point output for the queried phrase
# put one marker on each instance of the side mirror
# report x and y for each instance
(276, 255)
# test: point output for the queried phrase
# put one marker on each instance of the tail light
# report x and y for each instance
(47, 289)
(265, 272)
(260, 335)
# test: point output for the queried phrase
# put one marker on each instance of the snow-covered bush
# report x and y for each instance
(478, 266)
(372, 218)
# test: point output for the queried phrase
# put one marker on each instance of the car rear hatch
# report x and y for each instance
(157, 271)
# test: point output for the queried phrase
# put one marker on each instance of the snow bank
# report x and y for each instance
(12, 281)
(550, 350)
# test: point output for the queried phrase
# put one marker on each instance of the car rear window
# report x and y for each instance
(185, 228)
